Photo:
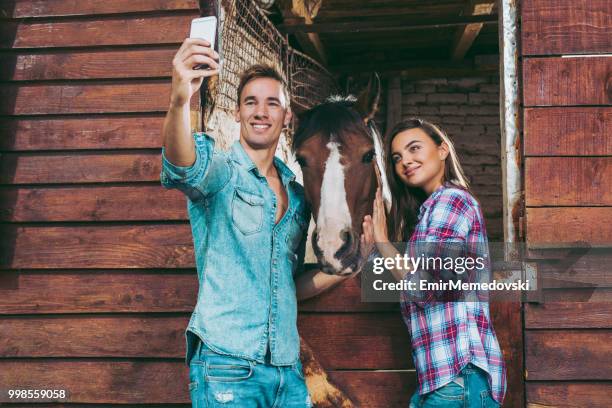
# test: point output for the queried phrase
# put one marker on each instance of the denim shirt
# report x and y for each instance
(246, 263)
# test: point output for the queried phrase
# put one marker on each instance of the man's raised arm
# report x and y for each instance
(177, 141)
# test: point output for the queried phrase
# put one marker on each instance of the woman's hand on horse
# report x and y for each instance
(379, 219)
(186, 80)
(367, 238)
(375, 225)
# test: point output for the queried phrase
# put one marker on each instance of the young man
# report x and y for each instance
(249, 223)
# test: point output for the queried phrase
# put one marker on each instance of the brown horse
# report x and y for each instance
(338, 148)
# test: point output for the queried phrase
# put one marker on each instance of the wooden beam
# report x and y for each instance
(566, 131)
(296, 14)
(311, 44)
(399, 23)
(370, 389)
(557, 27)
(563, 227)
(559, 393)
(552, 354)
(557, 81)
(465, 36)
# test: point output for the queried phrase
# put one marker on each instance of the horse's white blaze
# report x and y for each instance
(333, 216)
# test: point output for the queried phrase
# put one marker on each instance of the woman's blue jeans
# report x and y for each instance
(474, 393)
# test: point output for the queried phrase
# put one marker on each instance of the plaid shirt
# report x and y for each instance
(446, 336)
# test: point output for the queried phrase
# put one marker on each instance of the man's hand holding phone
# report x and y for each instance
(186, 79)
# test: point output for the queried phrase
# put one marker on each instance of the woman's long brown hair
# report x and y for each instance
(406, 200)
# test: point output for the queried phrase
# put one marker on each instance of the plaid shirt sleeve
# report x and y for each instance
(441, 234)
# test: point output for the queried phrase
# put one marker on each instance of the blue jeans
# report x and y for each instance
(217, 380)
(474, 393)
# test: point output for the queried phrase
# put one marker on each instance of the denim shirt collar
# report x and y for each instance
(242, 158)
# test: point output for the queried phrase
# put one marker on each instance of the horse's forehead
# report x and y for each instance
(316, 144)
(319, 142)
(356, 139)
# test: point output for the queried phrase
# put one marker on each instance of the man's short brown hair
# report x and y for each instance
(261, 71)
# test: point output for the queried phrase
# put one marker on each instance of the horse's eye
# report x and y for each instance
(369, 156)
(301, 161)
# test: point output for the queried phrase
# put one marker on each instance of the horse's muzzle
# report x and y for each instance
(348, 255)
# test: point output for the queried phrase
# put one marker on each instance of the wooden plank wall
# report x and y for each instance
(567, 124)
(97, 276)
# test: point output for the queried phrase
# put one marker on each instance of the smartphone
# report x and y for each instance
(204, 28)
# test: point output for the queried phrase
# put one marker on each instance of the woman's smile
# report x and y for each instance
(410, 171)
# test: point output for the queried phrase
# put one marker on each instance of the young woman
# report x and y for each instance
(455, 350)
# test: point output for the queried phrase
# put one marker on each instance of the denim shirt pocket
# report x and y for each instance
(247, 211)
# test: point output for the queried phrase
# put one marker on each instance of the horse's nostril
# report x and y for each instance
(346, 236)
(347, 243)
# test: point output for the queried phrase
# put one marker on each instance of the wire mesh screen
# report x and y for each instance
(248, 37)
(310, 83)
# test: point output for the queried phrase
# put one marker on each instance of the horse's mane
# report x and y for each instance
(336, 116)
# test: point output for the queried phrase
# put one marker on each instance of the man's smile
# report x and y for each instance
(261, 127)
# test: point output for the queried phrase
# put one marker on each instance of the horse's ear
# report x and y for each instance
(369, 99)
